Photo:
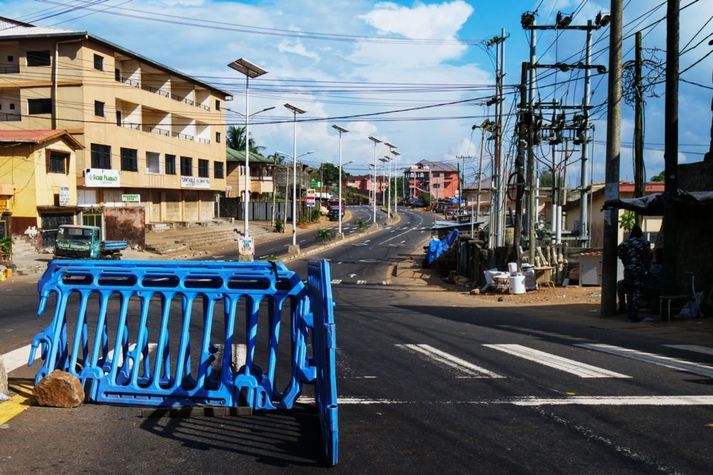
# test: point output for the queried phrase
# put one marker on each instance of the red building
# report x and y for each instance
(366, 182)
(439, 179)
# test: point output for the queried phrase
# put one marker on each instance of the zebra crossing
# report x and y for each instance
(467, 369)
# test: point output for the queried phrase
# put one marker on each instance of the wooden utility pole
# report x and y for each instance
(522, 145)
(639, 178)
(613, 156)
(671, 145)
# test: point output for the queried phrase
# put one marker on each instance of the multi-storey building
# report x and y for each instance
(438, 179)
(151, 136)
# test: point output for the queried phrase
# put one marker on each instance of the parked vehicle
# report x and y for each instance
(335, 204)
(334, 214)
(85, 242)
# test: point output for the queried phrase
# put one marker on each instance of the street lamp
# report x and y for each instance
(391, 151)
(251, 71)
(396, 188)
(386, 178)
(341, 130)
(376, 141)
(287, 179)
(295, 110)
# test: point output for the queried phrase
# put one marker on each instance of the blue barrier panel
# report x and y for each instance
(324, 345)
(143, 333)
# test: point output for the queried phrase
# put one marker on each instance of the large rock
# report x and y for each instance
(59, 389)
(3, 377)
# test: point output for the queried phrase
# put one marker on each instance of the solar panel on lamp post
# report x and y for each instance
(251, 71)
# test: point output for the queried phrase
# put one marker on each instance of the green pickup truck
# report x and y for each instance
(85, 242)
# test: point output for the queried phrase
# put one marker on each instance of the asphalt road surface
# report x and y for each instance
(426, 383)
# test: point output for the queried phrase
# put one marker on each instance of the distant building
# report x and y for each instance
(261, 174)
(438, 179)
(366, 182)
(149, 136)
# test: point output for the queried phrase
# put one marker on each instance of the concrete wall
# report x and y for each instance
(126, 224)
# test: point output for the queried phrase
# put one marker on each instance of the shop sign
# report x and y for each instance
(101, 178)
(64, 196)
(131, 198)
(194, 182)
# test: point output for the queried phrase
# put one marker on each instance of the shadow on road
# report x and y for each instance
(277, 438)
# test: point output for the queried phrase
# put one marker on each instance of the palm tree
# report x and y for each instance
(236, 140)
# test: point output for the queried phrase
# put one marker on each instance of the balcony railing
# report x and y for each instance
(130, 125)
(137, 84)
(202, 140)
(128, 81)
(155, 90)
(181, 136)
(156, 130)
(10, 69)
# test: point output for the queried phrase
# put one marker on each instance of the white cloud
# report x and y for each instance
(298, 49)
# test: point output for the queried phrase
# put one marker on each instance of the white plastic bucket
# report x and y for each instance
(517, 284)
(512, 268)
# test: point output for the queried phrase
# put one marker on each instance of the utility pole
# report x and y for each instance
(583, 179)
(529, 22)
(671, 145)
(638, 125)
(497, 214)
(522, 146)
(613, 155)
(480, 172)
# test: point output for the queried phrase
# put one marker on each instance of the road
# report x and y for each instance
(428, 382)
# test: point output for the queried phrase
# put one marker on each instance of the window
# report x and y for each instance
(101, 156)
(170, 164)
(10, 59)
(99, 108)
(129, 160)
(12, 106)
(99, 62)
(186, 166)
(118, 118)
(117, 75)
(217, 105)
(57, 162)
(38, 58)
(217, 137)
(38, 106)
(218, 169)
(153, 162)
(203, 168)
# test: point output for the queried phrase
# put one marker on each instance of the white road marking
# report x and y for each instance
(583, 370)
(706, 350)
(263, 257)
(393, 237)
(528, 401)
(665, 361)
(544, 333)
(351, 276)
(17, 358)
(361, 282)
(339, 262)
(403, 242)
(336, 281)
(449, 360)
(367, 241)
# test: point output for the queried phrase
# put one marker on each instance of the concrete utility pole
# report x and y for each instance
(500, 203)
(670, 221)
(480, 172)
(522, 146)
(639, 178)
(532, 210)
(613, 155)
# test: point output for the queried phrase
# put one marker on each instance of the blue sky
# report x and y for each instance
(369, 57)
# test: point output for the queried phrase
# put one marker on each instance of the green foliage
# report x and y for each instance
(6, 244)
(328, 172)
(323, 235)
(660, 178)
(627, 221)
(426, 198)
(546, 179)
(360, 224)
(314, 214)
(279, 226)
(235, 139)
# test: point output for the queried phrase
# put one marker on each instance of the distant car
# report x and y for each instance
(334, 214)
(417, 204)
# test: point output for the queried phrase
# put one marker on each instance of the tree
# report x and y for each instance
(660, 178)
(329, 173)
(236, 140)
(546, 179)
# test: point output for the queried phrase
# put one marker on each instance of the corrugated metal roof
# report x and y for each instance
(37, 136)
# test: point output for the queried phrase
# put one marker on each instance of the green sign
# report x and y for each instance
(315, 184)
(131, 198)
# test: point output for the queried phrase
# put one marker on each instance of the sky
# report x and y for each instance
(356, 62)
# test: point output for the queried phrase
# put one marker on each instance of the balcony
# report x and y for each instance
(156, 130)
(155, 90)
(128, 81)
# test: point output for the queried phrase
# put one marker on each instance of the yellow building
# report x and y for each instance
(38, 183)
(151, 136)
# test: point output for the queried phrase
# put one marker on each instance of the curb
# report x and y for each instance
(3, 378)
(324, 247)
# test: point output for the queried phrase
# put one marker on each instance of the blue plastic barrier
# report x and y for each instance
(436, 247)
(135, 347)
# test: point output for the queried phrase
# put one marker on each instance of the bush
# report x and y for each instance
(426, 198)
(315, 214)
(360, 224)
(324, 235)
(279, 226)
(6, 244)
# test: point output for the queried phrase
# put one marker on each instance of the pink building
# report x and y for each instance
(439, 179)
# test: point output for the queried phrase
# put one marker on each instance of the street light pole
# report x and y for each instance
(396, 181)
(341, 130)
(376, 141)
(250, 70)
(295, 110)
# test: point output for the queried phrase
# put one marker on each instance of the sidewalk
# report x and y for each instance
(547, 304)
